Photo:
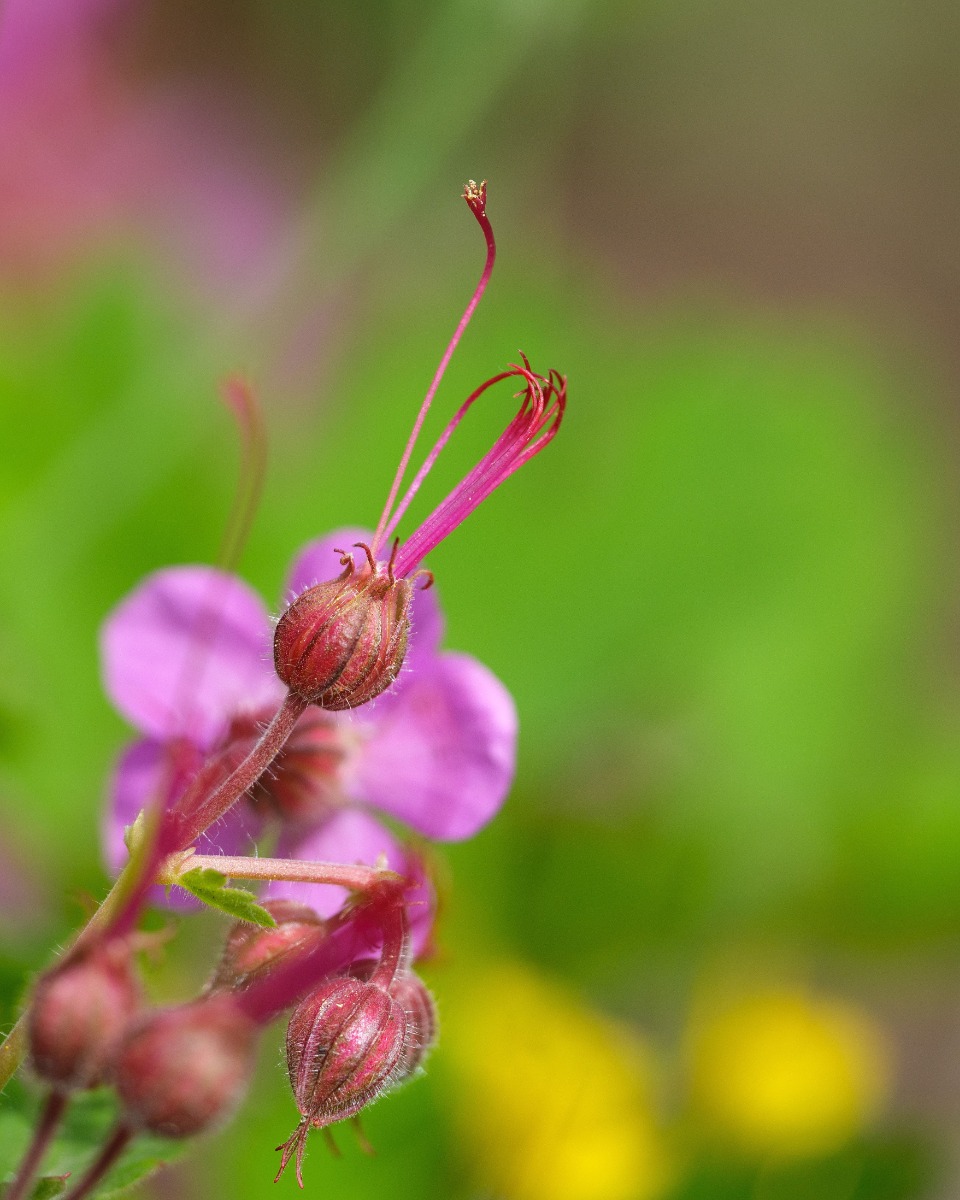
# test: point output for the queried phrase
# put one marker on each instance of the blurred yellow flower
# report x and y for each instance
(785, 1073)
(554, 1102)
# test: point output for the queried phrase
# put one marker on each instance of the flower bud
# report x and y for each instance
(344, 1044)
(181, 1071)
(250, 950)
(341, 643)
(78, 1015)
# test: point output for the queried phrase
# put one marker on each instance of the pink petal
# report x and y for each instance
(186, 651)
(351, 836)
(317, 562)
(141, 775)
(442, 757)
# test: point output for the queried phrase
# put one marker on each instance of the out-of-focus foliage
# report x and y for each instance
(88, 1121)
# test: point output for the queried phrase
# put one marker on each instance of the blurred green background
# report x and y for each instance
(711, 946)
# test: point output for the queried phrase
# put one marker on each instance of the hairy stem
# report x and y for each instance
(357, 878)
(197, 813)
(395, 954)
(196, 809)
(50, 1117)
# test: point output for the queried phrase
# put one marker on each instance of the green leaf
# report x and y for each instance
(49, 1186)
(45, 1188)
(210, 887)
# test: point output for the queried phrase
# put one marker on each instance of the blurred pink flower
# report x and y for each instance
(87, 155)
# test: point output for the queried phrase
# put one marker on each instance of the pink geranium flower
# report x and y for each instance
(186, 659)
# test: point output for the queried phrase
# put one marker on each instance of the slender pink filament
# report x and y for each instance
(480, 213)
(434, 453)
(534, 425)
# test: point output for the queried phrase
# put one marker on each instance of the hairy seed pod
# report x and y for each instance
(250, 951)
(78, 1015)
(413, 996)
(342, 643)
(344, 1045)
(181, 1071)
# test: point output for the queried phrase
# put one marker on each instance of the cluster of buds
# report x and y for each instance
(177, 1071)
(182, 1070)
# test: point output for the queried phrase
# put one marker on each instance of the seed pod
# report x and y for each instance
(251, 951)
(78, 1015)
(413, 996)
(344, 1044)
(181, 1071)
(342, 643)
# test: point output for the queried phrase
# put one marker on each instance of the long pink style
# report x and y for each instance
(475, 195)
(533, 427)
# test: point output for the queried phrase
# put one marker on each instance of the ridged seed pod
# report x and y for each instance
(345, 1042)
(342, 643)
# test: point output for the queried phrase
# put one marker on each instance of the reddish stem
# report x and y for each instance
(194, 813)
(396, 947)
(114, 1146)
(356, 877)
(50, 1116)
